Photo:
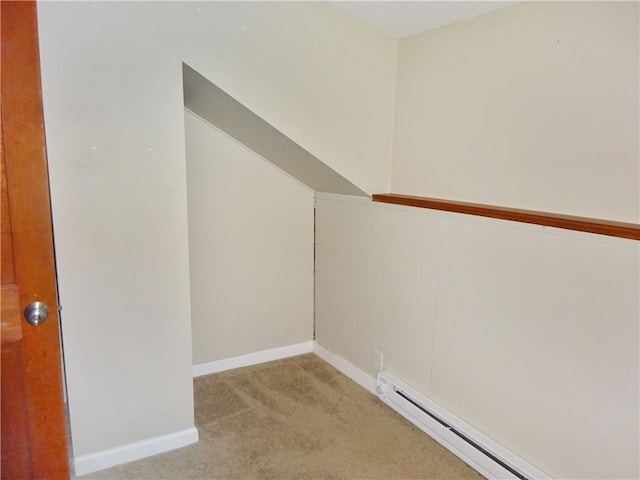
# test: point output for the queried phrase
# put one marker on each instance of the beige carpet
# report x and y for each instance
(297, 418)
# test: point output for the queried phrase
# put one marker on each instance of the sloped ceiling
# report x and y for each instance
(212, 104)
(400, 19)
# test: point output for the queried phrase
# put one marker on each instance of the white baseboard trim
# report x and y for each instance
(253, 358)
(93, 462)
(362, 378)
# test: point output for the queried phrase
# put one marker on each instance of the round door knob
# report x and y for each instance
(36, 313)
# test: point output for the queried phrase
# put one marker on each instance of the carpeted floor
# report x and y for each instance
(297, 418)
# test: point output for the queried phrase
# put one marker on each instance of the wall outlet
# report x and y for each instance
(377, 359)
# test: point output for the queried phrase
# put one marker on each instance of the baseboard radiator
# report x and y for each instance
(476, 449)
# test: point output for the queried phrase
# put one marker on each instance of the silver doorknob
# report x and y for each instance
(36, 313)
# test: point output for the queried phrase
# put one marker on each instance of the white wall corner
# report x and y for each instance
(253, 358)
(362, 378)
(93, 462)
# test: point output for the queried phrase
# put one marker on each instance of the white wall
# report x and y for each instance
(534, 106)
(112, 88)
(115, 138)
(530, 334)
(250, 249)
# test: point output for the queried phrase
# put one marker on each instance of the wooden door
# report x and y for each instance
(33, 418)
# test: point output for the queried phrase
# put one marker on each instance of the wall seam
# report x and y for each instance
(394, 106)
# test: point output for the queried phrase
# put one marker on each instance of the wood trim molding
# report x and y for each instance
(568, 222)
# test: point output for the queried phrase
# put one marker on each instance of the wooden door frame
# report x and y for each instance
(31, 225)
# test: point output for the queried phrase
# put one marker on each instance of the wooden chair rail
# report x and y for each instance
(582, 224)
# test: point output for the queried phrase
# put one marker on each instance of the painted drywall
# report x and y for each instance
(534, 106)
(115, 138)
(112, 91)
(529, 334)
(250, 253)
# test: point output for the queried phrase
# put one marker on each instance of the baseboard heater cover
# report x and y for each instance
(476, 449)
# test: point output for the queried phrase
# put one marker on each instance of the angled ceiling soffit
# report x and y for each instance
(212, 104)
